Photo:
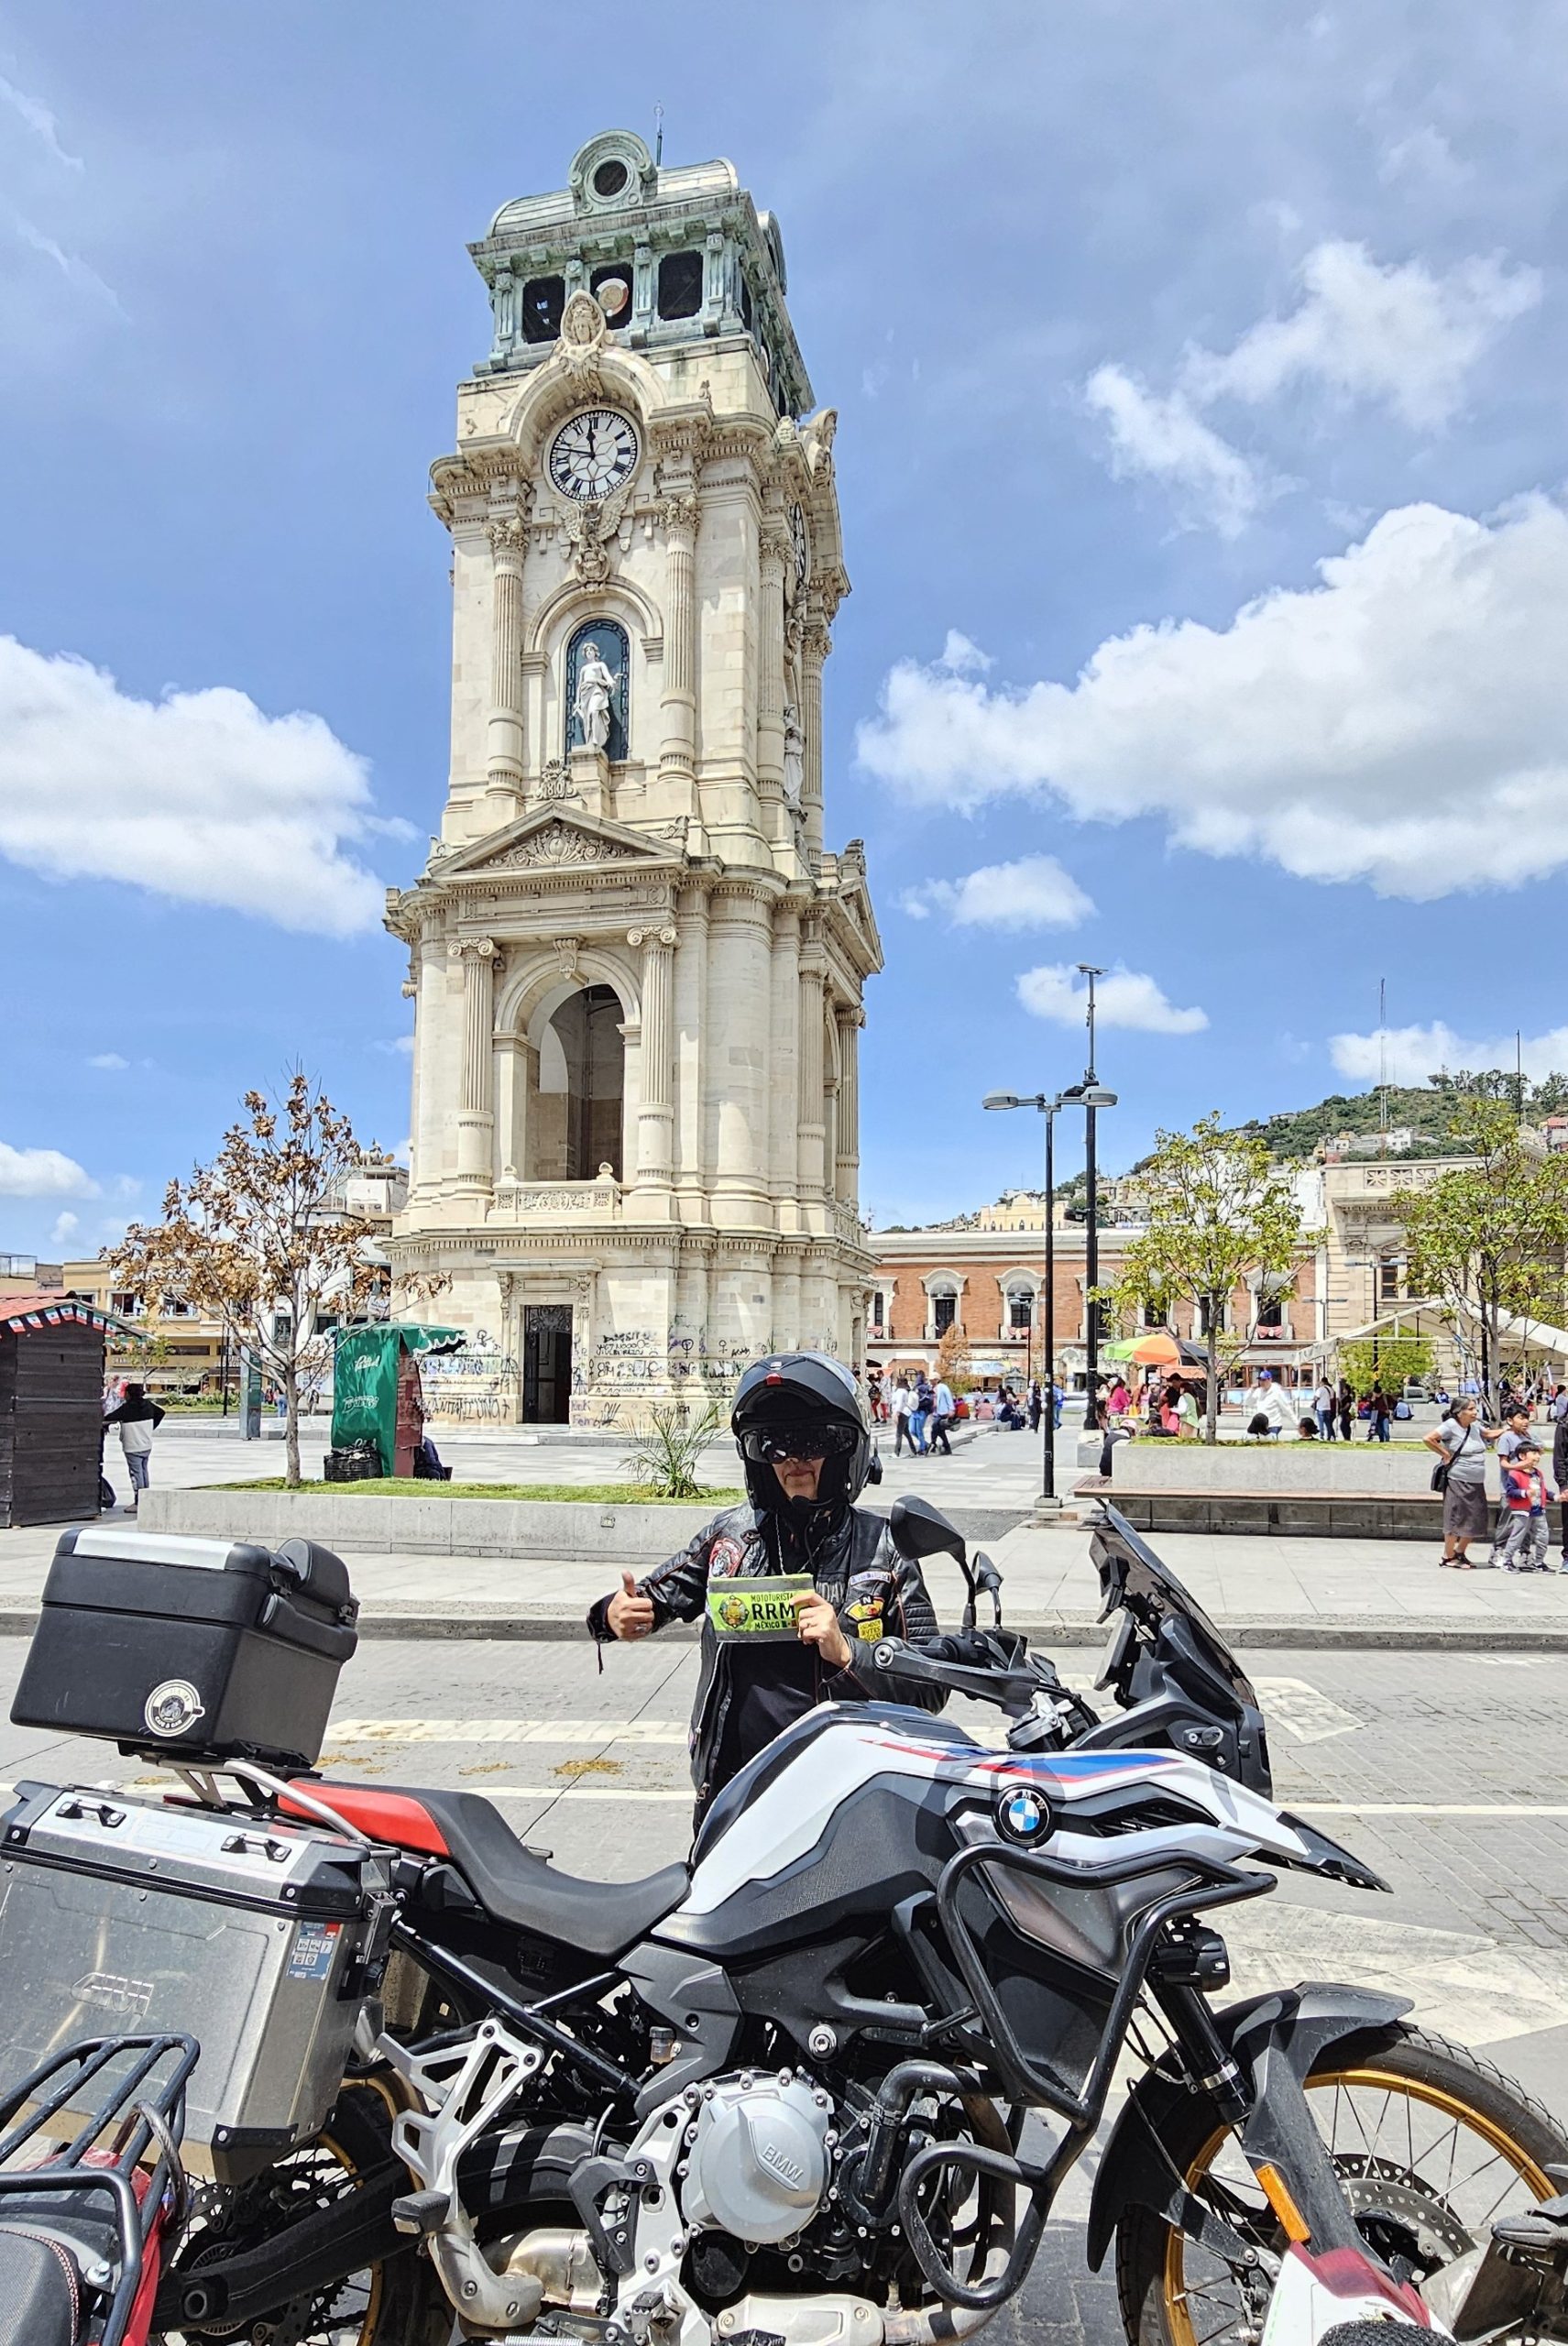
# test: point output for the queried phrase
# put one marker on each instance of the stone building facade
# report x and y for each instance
(990, 1284)
(637, 968)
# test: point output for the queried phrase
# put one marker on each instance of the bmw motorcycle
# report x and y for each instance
(821, 2085)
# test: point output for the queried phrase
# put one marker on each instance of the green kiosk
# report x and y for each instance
(377, 1400)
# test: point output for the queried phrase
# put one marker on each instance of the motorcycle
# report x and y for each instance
(83, 2229)
(778, 2093)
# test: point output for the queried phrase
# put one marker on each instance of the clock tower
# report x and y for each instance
(637, 968)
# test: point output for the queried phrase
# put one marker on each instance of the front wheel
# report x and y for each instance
(1432, 2145)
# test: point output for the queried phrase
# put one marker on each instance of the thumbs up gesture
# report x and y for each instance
(629, 1615)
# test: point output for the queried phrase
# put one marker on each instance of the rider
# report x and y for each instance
(801, 1429)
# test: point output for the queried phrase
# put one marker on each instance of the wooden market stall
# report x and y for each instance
(52, 1407)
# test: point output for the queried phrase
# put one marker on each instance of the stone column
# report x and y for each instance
(784, 1088)
(476, 1120)
(432, 1081)
(772, 553)
(690, 1041)
(814, 645)
(504, 765)
(813, 1103)
(737, 1075)
(655, 1113)
(677, 748)
(849, 1018)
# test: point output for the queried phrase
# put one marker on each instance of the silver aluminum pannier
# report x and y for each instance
(259, 1938)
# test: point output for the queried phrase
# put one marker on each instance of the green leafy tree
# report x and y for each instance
(260, 1240)
(1218, 1210)
(1388, 1360)
(1487, 1240)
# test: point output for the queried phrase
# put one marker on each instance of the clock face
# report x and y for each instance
(591, 455)
(802, 545)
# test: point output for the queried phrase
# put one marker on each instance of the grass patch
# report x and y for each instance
(399, 1486)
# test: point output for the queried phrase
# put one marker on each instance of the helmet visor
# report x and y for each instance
(809, 1439)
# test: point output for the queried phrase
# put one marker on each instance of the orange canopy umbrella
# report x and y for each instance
(1158, 1349)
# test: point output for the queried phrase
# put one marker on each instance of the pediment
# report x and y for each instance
(547, 840)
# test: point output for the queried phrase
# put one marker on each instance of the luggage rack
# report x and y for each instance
(126, 2096)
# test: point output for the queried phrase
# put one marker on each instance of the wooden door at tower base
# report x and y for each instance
(546, 1364)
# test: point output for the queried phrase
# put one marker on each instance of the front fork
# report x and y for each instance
(1266, 2108)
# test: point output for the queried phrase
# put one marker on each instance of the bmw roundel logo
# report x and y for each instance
(1023, 1815)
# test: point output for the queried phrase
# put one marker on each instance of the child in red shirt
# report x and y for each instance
(1525, 1492)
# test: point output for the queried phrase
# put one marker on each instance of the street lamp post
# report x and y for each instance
(1088, 1096)
(1091, 1209)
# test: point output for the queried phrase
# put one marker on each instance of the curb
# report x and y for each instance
(1345, 1634)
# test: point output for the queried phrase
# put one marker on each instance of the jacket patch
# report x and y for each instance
(726, 1558)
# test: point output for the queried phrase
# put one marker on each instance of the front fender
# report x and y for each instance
(1294, 2026)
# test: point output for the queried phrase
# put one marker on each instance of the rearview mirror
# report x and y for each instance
(921, 1530)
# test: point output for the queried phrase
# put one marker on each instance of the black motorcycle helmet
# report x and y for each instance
(809, 1397)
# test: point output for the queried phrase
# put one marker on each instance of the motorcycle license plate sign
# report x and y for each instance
(756, 1611)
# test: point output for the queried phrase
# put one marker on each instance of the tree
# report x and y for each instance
(1486, 1240)
(952, 1357)
(262, 1240)
(1388, 1360)
(1219, 1210)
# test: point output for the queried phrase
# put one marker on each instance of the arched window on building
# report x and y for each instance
(582, 1086)
(1018, 1302)
(596, 682)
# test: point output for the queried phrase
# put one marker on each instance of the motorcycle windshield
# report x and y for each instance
(1133, 1580)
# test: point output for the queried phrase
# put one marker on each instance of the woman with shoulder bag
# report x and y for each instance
(1460, 1443)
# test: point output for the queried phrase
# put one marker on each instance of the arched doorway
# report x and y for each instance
(582, 1087)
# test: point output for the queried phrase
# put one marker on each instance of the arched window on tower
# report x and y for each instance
(599, 662)
(582, 1088)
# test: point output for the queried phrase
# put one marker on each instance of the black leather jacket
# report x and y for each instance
(853, 1562)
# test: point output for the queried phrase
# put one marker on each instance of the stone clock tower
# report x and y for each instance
(637, 969)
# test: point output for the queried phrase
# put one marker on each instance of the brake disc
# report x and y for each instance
(1378, 2188)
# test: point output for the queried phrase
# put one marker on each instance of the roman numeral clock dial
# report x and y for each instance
(593, 454)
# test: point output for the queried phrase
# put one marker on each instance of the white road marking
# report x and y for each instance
(1426, 1808)
(1463, 1986)
(1304, 1711)
(489, 1730)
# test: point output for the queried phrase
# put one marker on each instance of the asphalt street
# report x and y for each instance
(1447, 1772)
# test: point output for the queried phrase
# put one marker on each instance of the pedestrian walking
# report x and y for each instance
(1184, 1408)
(1379, 1409)
(1511, 1441)
(1323, 1409)
(1346, 1408)
(943, 1410)
(138, 1419)
(920, 1415)
(1036, 1404)
(1525, 1496)
(1460, 1443)
(1560, 1462)
(902, 1410)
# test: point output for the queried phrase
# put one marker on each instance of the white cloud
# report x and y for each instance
(1033, 892)
(399, 1047)
(1167, 439)
(1121, 998)
(199, 796)
(42, 1173)
(1394, 333)
(1404, 721)
(1397, 333)
(963, 657)
(1424, 155)
(108, 1059)
(1416, 1053)
(40, 120)
(66, 1225)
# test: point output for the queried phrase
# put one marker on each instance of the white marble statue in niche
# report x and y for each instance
(591, 710)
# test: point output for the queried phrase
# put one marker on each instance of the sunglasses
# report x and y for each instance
(775, 1445)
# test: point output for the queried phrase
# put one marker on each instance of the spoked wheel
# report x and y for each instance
(1432, 2146)
(399, 2303)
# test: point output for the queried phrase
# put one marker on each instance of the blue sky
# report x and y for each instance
(1202, 453)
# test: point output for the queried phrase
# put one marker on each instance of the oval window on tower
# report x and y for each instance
(610, 177)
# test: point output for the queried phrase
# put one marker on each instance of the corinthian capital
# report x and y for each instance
(679, 515)
(508, 534)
